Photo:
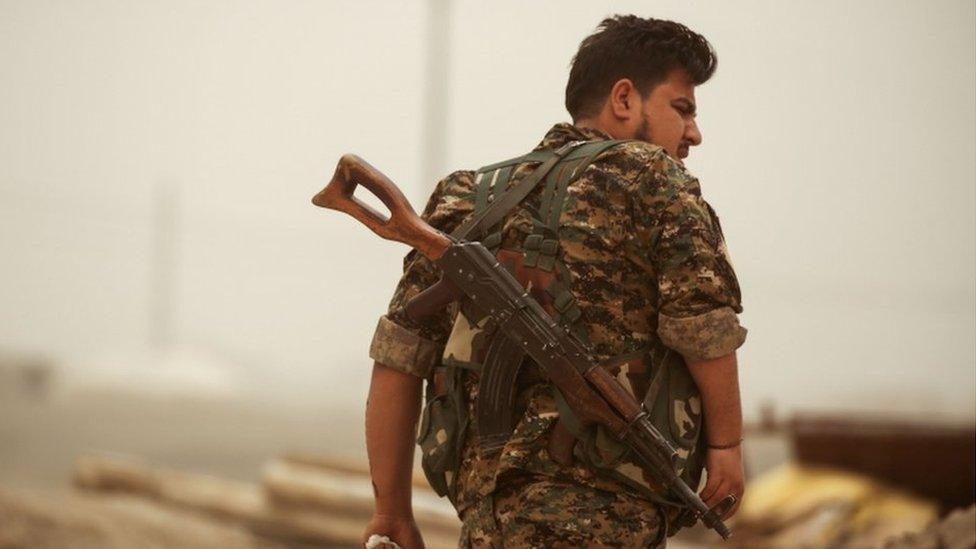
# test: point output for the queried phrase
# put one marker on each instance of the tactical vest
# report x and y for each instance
(657, 376)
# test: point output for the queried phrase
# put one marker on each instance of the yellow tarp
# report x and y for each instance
(797, 506)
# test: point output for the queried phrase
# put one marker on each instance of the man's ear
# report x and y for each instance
(624, 100)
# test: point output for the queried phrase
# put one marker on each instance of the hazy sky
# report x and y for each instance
(839, 150)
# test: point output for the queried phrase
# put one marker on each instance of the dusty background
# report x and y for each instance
(163, 268)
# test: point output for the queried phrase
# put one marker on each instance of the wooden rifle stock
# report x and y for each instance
(403, 225)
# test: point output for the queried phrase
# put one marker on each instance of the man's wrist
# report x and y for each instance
(725, 446)
(405, 516)
(394, 506)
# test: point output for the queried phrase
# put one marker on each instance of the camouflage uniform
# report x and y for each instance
(648, 265)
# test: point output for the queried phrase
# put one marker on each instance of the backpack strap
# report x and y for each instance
(475, 226)
(569, 169)
(490, 182)
(542, 246)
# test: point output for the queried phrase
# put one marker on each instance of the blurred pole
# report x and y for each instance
(162, 287)
(433, 135)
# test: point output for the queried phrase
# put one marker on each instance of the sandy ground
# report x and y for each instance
(75, 521)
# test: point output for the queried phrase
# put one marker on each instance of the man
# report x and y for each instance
(644, 261)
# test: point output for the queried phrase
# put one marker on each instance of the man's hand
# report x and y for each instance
(718, 380)
(402, 530)
(725, 477)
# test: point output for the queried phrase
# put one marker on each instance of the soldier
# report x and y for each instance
(618, 244)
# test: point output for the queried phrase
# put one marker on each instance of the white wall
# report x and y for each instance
(839, 152)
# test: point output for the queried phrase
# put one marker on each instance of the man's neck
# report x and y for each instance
(597, 124)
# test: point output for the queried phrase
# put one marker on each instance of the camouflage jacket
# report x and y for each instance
(648, 263)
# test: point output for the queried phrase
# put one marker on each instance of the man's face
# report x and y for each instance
(669, 115)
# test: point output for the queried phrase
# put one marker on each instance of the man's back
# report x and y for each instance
(625, 254)
(613, 227)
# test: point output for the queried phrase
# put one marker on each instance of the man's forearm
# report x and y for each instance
(392, 409)
(718, 381)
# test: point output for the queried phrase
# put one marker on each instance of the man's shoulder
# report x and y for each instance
(644, 164)
(638, 150)
(451, 200)
(454, 189)
(635, 161)
(457, 183)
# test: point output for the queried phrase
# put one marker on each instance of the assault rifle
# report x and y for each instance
(595, 396)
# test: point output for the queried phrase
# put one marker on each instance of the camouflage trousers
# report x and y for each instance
(541, 511)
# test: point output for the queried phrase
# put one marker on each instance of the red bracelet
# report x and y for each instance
(725, 446)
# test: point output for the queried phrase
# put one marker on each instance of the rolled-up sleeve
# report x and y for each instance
(698, 292)
(702, 337)
(401, 342)
(402, 349)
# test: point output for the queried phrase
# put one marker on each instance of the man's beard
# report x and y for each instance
(644, 134)
(644, 131)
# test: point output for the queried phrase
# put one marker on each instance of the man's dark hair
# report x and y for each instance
(643, 50)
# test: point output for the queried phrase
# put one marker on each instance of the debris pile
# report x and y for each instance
(852, 483)
(90, 521)
(799, 506)
(300, 499)
(956, 531)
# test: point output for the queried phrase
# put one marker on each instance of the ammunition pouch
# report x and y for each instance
(442, 427)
